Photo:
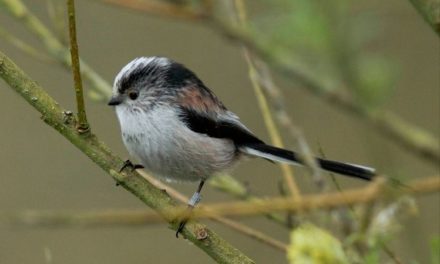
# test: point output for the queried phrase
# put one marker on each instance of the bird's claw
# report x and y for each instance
(128, 163)
(181, 226)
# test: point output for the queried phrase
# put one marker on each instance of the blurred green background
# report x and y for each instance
(41, 170)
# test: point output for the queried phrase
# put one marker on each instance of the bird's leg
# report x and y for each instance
(133, 167)
(195, 199)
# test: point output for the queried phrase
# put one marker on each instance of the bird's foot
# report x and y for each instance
(181, 226)
(185, 218)
(133, 167)
(195, 199)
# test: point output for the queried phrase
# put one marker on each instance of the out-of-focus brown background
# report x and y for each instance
(40, 170)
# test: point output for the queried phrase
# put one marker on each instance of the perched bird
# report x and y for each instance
(180, 131)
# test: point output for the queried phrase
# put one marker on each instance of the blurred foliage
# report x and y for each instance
(310, 244)
(386, 224)
(229, 184)
(435, 250)
(373, 256)
(328, 39)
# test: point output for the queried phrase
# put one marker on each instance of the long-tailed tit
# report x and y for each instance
(180, 131)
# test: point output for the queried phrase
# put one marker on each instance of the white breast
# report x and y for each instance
(168, 148)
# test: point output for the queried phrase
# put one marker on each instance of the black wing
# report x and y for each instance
(204, 124)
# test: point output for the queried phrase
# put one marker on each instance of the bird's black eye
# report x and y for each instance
(133, 95)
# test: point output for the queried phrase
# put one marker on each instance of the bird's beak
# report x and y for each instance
(115, 100)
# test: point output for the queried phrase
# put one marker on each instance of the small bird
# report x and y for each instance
(180, 131)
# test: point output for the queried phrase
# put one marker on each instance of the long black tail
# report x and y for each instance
(282, 155)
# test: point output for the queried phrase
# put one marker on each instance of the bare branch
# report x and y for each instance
(327, 201)
(372, 192)
(83, 125)
(23, 46)
(275, 136)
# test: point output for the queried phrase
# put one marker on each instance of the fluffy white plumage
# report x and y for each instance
(166, 147)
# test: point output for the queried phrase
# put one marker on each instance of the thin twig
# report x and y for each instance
(83, 125)
(328, 201)
(95, 219)
(277, 102)
(372, 192)
(55, 10)
(255, 234)
(232, 186)
(308, 203)
(265, 110)
(390, 253)
(108, 218)
(23, 46)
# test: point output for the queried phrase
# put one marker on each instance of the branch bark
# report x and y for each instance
(83, 125)
(375, 191)
(287, 170)
(59, 119)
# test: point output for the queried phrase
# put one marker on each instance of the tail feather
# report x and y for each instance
(287, 156)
